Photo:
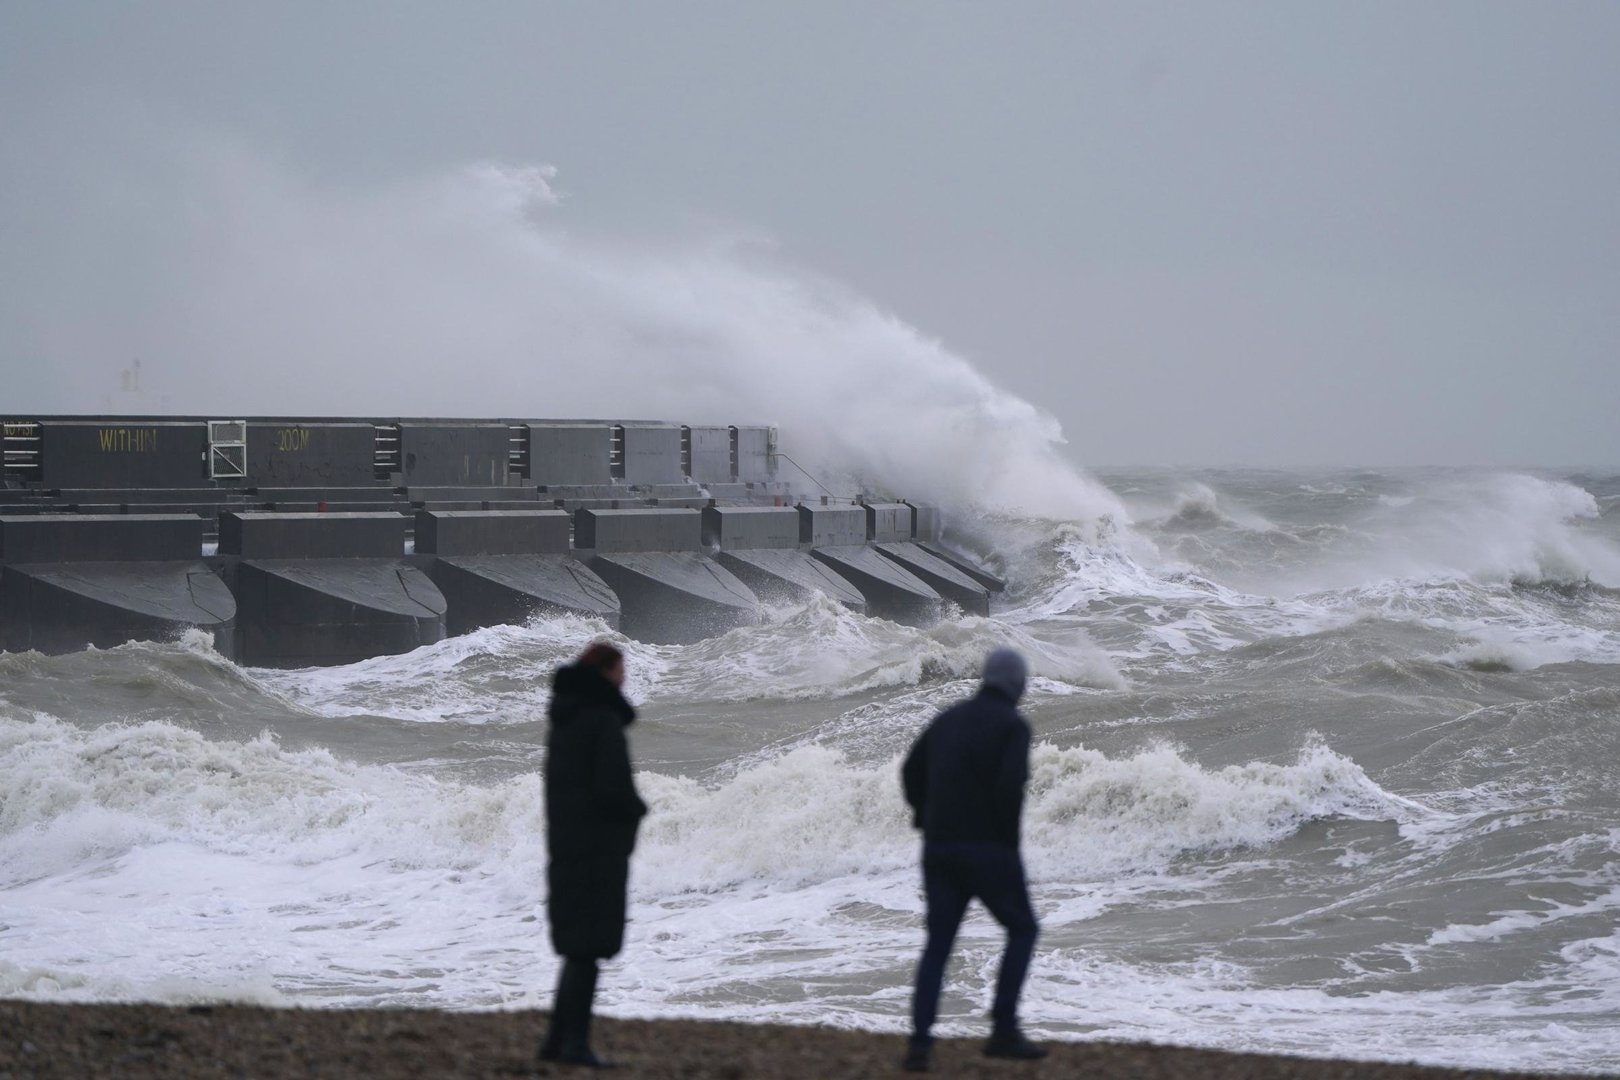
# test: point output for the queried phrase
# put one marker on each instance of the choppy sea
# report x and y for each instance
(1327, 763)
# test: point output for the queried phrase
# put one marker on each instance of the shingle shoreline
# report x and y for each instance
(39, 1040)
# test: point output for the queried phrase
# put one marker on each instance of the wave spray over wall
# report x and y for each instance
(253, 289)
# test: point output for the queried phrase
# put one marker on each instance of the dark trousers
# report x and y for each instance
(571, 1012)
(953, 875)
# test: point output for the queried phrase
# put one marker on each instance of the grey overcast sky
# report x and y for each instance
(1213, 233)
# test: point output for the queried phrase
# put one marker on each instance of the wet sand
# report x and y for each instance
(179, 1042)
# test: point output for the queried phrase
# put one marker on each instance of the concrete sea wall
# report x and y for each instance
(302, 541)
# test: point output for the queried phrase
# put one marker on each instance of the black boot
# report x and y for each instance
(551, 1045)
(578, 987)
(917, 1054)
(1012, 1044)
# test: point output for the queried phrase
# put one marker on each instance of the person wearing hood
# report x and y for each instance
(592, 813)
(964, 779)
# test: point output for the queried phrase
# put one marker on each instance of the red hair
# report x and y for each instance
(601, 656)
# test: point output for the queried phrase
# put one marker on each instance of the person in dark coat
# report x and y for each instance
(592, 813)
(964, 779)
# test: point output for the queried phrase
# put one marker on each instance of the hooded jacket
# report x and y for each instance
(965, 775)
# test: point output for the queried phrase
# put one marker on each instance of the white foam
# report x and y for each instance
(783, 890)
(819, 649)
(1517, 922)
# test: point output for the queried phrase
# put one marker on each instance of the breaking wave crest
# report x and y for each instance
(808, 815)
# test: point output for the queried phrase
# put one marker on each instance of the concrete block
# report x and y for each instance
(778, 575)
(710, 454)
(304, 612)
(928, 524)
(754, 462)
(942, 576)
(122, 452)
(888, 523)
(62, 538)
(63, 607)
(652, 454)
(738, 527)
(454, 454)
(641, 529)
(832, 526)
(312, 536)
(493, 532)
(506, 590)
(965, 564)
(294, 453)
(891, 590)
(676, 597)
(568, 455)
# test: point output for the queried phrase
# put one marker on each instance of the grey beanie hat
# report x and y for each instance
(1006, 671)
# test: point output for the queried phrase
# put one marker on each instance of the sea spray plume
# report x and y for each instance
(1490, 528)
(469, 292)
(1510, 527)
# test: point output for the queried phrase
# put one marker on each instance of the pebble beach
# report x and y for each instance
(39, 1041)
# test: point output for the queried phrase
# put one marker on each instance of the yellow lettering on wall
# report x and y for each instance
(292, 440)
(128, 440)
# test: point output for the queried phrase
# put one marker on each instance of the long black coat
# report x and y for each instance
(592, 812)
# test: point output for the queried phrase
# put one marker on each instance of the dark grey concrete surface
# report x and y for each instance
(502, 590)
(567, 455)
(891, 590)
(311, 612)
(947, 580)
(777, 575)
(652, 454)
(964, 564)
(307, 453)
(710, 455)
(439, 453)
(312, 536)
(641, 529)
(493, 532)
(676, 597)
(59, 538)
(122, 452)
(733, 528)
(832, 526)
(63, 607)
(888, 523)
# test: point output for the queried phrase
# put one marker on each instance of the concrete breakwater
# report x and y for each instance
(317, 541)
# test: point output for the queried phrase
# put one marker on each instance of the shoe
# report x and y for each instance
(584, 1058)
(916, 1059)
(1013, 1045)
